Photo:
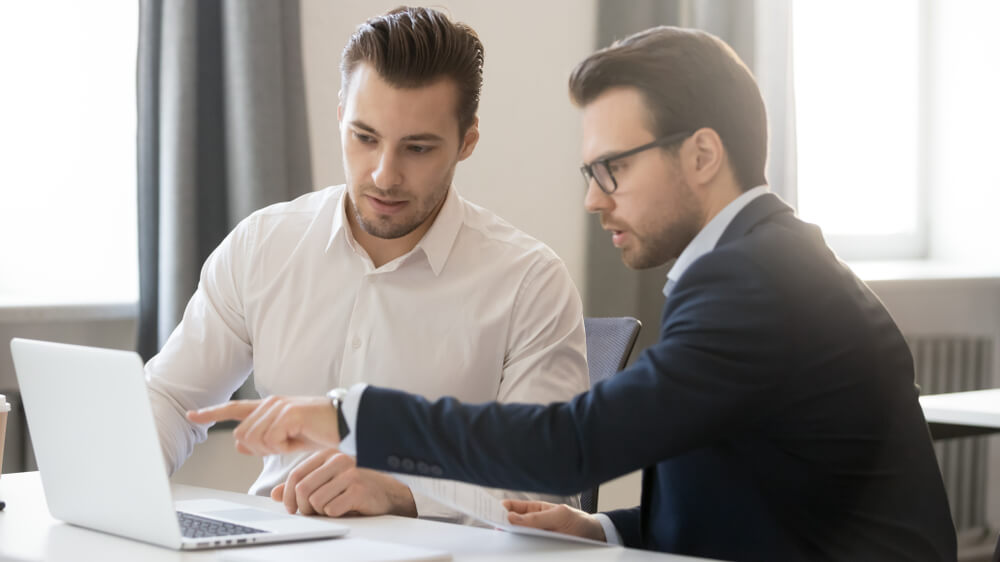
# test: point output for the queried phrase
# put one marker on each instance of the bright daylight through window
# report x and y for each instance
(858, 118)
(67, 152)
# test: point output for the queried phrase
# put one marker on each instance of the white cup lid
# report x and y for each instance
(4, 405)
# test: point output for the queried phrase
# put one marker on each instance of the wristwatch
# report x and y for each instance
(337, 399)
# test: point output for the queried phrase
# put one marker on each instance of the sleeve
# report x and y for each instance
(208, 356)
(714, 373)
(546, 362)
(624, 525)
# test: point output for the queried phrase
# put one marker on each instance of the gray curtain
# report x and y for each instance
(757, 31)
(222, 131)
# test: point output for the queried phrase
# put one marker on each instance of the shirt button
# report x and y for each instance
(422, 467)
(436, 470)
(408, 465)
(392, 461)
(356, 343)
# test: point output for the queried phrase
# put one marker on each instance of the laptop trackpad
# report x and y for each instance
(228, 511)
(273, 521)
(243, 514)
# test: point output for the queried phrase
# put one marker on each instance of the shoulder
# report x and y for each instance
(487, 235)
(288, 220)
(301, 209)
(782, 252)
(779, 273)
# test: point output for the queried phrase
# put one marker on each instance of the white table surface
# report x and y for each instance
(28, 532)
(978, 408)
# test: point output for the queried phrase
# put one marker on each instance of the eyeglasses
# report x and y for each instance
(600, 170)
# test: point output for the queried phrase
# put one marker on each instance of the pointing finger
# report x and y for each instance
(234, 410)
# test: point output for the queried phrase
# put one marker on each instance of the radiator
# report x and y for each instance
(953, 364)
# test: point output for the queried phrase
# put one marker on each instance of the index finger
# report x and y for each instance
(232, 410)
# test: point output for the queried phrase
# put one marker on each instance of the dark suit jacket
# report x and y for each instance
(775, 419)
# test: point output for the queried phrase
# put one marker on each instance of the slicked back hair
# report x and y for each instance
(414, 47)
(689, 79)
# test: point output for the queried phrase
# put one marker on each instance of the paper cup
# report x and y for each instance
(4, 410)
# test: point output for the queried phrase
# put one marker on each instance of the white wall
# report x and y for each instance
(525, 167)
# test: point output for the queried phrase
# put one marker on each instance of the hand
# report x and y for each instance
(560, 518)
(330, 483)
(277, 424)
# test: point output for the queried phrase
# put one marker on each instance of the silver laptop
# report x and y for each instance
(99, 456)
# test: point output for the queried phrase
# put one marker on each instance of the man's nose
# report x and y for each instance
(387, 173)
(596, 200)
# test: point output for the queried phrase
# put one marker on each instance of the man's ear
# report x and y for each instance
(705, 156)
(340, 113)
(469, 140)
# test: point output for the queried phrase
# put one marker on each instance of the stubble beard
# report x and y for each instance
(382, 226)
(667, 241)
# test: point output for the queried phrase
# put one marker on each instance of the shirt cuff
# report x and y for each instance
(611, 534)
(350, 404)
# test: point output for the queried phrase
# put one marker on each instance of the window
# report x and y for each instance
(859, 105)
(67, 152)
(896, 120)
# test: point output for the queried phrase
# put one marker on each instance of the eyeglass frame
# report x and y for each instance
(588, 169)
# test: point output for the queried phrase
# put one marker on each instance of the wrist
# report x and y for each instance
(404, 504)
(597, 530)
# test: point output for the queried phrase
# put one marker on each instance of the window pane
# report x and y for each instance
(857, 115)
(67, 151)
(964, 176)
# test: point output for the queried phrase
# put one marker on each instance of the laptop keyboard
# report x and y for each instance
(194, 526)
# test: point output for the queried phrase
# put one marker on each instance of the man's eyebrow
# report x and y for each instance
(606, 155)
(361, 125)
(431, 137)
(419, 137)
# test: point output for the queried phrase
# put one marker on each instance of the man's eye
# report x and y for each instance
(363, 138)
(616, 166)
(419, 148)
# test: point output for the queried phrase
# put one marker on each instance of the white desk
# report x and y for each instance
(28, 532)
(958, 414)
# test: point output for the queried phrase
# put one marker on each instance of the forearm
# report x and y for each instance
(205, 359)
(467, 443)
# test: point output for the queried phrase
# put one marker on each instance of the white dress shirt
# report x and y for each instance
(477, 310)
(703, 243)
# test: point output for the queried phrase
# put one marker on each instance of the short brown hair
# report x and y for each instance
(689, 79)
(413, 47)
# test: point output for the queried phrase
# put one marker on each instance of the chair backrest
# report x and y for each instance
(609, 345)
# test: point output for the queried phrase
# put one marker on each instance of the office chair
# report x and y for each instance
(996, 551)
(609, 344)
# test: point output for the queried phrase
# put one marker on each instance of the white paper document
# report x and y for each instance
(335, 549)
(478, 504)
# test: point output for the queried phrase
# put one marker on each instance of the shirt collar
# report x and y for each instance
(705, 241)
(440, 237)
(340, 221)
(435, 245)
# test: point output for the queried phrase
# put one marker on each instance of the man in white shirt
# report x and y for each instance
(393, 279)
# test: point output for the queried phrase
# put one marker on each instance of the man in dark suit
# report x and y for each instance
(776, 417)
